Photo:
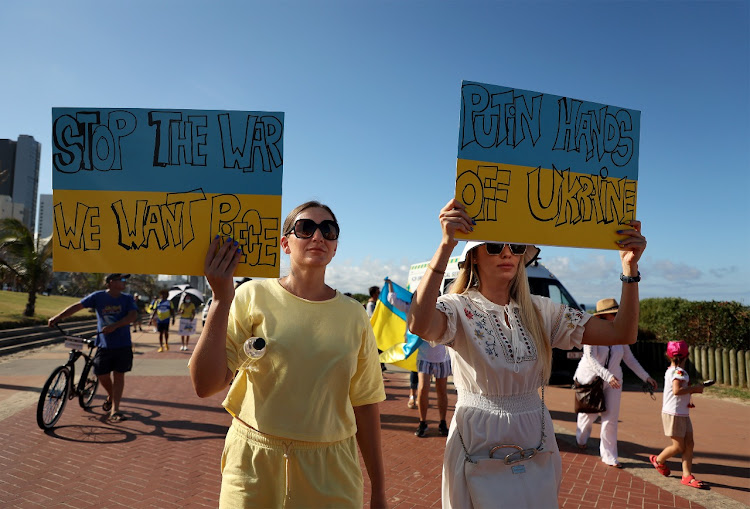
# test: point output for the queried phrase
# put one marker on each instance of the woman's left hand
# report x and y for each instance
(651, 382)
(633, 245)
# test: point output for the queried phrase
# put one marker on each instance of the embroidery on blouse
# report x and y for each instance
(483, 332)
(571, 316)
(449, 313)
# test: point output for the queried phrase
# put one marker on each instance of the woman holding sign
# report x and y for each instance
(501, 338)
(304, 372)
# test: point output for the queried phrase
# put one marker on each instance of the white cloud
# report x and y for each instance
(675, 271)
(349, 276)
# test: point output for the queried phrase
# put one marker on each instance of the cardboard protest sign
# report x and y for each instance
(187, 326)
(145, 191)
(538, 168)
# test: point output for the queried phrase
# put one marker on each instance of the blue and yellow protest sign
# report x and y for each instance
(538, 168)
(145, 191)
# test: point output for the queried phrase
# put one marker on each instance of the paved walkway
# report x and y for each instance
(167, 453)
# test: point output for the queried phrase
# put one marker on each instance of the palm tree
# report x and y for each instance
(21, 257)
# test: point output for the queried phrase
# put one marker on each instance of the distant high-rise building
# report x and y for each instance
(19, 178)
(44, 223)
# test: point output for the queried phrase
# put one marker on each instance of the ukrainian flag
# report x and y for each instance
(389, 324)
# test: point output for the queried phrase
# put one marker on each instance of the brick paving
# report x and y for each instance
(167, 453)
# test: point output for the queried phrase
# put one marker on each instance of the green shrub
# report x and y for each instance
(700, 323)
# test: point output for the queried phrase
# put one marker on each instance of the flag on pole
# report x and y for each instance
(389, 324)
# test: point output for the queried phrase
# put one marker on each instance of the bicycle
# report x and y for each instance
(59, 387)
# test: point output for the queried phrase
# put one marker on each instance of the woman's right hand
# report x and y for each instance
(453, 218)
(221, 261)
(614, 383)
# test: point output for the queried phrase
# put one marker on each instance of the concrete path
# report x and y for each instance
(166, 454)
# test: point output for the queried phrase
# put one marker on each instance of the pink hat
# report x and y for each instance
(677, 349)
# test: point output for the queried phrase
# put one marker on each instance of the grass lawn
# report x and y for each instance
(12, 305)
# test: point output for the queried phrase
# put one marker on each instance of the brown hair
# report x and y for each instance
(312, 204)
(531, 318)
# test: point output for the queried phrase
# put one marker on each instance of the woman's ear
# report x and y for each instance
(285, 245)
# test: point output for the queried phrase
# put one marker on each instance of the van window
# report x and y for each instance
(553, 289)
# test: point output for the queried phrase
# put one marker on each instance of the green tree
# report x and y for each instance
(20, 256)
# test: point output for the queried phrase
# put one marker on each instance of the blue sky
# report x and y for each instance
(371, 92)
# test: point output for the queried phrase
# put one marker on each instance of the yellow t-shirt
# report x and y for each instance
(188, 310)
(321, 360)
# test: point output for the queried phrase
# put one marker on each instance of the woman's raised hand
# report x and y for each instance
(222, 259)
(453, 218)
(631, 247)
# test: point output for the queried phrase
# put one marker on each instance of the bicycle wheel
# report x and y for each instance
(89, 384)
(53, 397)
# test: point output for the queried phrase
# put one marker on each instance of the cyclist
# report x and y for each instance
(115, 311)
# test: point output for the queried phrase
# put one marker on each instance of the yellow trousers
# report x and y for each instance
(259, 471)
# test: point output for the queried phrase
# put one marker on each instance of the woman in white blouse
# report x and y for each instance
(605, 362)
(501, 340)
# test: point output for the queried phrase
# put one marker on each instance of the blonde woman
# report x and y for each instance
(501, 339)
(301, 409)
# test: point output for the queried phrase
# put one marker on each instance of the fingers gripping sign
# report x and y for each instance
(634, 243)
(453, 218)
(221, 262)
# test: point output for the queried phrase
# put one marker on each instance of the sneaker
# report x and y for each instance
(166, 347)
(160, 350)
(443, 428)
(411, 404)
(421, 430)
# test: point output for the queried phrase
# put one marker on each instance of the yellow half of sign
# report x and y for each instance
(544, 206)
(162, 233)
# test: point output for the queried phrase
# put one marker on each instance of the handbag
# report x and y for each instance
(511, 476)
(589, 398)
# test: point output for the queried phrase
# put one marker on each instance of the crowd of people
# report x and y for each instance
(285, 449)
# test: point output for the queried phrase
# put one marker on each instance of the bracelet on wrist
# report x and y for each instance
(630, 279)
(433, 269)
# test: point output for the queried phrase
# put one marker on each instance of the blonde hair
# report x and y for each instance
(531, 318)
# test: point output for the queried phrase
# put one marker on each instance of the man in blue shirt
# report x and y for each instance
(115, 311)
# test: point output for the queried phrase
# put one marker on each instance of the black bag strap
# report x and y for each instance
(609, 351)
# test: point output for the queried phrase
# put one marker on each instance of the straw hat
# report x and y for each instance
(606, 306)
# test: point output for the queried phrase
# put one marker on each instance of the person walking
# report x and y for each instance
(431, 361)
(187, 316)
(302, 408)
(140, 307)
(605, 362)
(675, 416)
(163, 312)
(501, 339)
(115, 311)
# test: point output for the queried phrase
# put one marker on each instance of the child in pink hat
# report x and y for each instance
(675, 416)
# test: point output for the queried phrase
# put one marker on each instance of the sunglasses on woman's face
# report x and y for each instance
(305, 229)
(495, 248)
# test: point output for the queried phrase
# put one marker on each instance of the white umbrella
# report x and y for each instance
(177, 294)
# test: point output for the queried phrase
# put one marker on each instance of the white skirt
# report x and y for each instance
(485, 422)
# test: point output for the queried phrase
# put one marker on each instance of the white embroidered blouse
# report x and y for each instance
(493, 354)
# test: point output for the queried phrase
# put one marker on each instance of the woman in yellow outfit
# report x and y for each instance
(299, 409)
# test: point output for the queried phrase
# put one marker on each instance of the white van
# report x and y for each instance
(541, 282)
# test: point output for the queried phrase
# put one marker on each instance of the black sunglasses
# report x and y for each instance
(305, 229)
(495, 248)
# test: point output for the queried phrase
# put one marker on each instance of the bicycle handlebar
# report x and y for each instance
(88, 341)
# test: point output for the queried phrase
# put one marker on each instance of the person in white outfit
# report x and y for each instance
(501, 339)
(605, 362)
